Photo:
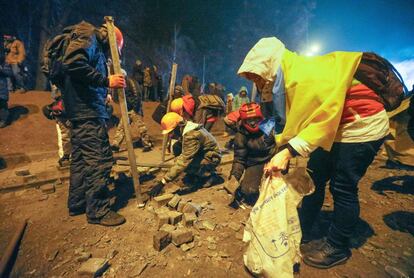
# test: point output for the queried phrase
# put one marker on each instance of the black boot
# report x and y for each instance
(110, 219)
(326, 255)
(212, 180)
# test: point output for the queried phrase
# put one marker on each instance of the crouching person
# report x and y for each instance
(199, 157)
(252, 150)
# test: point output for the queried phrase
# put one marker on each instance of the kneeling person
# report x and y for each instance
(200, 152)
(252, 150)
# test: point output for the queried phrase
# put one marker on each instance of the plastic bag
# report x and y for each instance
(273, 230)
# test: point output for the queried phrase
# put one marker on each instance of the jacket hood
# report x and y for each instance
(243, 88)
(190, 126)
(263, 59)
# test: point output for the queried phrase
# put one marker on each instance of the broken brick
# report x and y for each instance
(167, 228)
(181, 236)
(48, 188)
(181, 206)
(94, 267)
(174, 201)
(22, 172)
(175, 217)
(189, 219)
(209, 225)
(161, 240)
(162, 219)
(163, 199)
(192, 207)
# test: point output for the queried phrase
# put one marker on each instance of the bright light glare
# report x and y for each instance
(312, 50)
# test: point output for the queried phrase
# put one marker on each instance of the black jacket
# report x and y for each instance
(86, 82)
(251, 149)
(133, 96)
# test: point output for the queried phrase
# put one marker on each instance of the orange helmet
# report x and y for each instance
(177, 106)
(170, 121)
(119, 38)
(189, 104)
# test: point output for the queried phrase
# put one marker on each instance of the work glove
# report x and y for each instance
(156, 189)
(117, 81)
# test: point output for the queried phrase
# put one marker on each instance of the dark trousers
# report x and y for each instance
(4, 111)
(251, 180)
(344, 166)
(90, 168)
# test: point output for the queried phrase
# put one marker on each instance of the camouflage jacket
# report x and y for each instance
(197, 141)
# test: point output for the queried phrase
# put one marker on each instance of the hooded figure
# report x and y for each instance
(327, 112)
(240, 99)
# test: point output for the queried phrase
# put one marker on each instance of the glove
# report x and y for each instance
(117, 81)
(156, 189)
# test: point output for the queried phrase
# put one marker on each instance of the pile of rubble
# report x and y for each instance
(176, 219)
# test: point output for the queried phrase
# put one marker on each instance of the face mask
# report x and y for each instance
(251, 125)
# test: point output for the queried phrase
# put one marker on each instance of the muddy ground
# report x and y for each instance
(53, 241)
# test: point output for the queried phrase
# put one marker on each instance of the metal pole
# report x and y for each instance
(124, 111)
(11, 248)
(170, 95)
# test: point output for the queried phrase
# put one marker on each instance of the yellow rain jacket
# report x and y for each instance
(315, 88)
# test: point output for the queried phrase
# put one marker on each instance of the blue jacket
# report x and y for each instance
(86, 82)
(5, 71)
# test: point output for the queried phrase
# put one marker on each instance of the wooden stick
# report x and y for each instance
(124, 111)
(170, 95)
(6, 257)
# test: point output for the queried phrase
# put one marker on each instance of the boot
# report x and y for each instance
(3, 124)
(214, 179)
(326, 255)
(110, 219)
(75, 212)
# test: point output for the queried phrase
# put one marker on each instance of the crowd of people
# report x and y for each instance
(12, 73)
(315, 107)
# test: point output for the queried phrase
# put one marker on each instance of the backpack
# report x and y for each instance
(379, 75)
(53, 54)
(211, 102)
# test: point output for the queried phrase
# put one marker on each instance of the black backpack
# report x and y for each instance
(378, 74)
(53, 54)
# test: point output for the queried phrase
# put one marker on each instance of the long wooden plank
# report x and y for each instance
(124, 111)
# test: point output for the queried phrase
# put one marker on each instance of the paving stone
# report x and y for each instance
(167, 228)
(161, 239)
(189, 219)
(192, 207)
(173, 203)
(181, 205)
(234, 226)
(139, 268)
(163, 199)
(175, 217)
(83, 257)
(162, 219)
(181, 236)
(29, 178)
(209, 225)
(94, 267)
(22, 172)
(48, 188)
(187, 246)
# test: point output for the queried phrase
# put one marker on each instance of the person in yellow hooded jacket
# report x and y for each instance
(330, 116)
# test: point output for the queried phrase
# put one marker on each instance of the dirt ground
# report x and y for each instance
(382, 244)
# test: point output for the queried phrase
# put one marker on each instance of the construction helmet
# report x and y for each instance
(119, 38)
(251, 116)
(177, 106)
(170, 121)
(189, 104)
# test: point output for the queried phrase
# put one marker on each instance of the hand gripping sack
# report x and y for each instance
(273, 230)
